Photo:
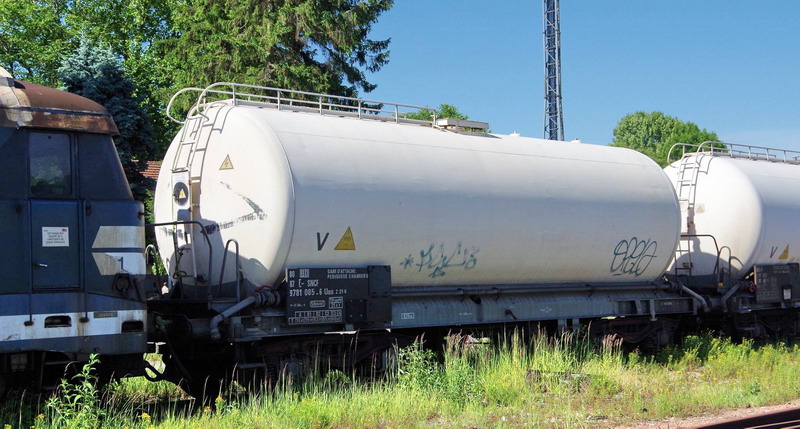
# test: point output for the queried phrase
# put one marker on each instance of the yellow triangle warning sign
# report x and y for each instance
(227, 164)
(181, 194)
(347, 242)
(785, 254)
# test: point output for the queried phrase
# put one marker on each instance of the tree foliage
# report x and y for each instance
(36, 36)
(94, 72)
(311, 45)
(131, 29)
(653, 134)
(444, 111)
(164, 45)
(32, 39)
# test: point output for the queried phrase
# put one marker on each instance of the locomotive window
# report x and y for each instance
(50, 165)
(101, 176)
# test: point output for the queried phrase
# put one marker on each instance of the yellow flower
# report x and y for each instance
(206, 409)
(146, 416)
(40, 416)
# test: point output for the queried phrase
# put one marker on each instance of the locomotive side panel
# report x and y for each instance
(14, 212)
(63, 191)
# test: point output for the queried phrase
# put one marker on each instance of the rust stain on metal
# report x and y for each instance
(24, 104)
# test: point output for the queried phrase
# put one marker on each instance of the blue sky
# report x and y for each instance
(731, 66)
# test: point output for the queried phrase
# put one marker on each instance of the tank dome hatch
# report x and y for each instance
(462, 125)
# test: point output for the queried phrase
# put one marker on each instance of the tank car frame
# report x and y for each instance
(255, 339)
(738, 241)
(216, 325)
(353, 315)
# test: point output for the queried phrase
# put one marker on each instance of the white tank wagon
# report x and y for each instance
(747, 198)
(301, 189)
(352, 218)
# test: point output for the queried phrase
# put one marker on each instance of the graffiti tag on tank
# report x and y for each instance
(633, 256)
(437, 261)
(255, 215)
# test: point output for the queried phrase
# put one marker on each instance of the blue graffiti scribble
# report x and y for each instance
(436, 261)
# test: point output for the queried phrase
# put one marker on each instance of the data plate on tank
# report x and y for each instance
(777, 283)
(322, 296)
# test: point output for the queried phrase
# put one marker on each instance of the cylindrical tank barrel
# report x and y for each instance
(749, 206)
(298, 189)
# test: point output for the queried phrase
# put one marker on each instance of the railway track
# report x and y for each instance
(779, 419)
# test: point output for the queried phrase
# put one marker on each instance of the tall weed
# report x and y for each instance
(77, 404)
(417, 368)
(539, 381)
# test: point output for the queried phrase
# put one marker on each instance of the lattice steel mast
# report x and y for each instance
(553, 115)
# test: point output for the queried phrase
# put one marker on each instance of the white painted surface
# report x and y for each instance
(12, 328)
(55, 236)
(111, 263)
(751, 207)
(438, 207)
(116, 237)
(119, 237)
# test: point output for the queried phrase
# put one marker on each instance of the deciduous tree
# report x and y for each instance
(36, 36)
(312, 45)
(655, 133)
(444, 111)
(33, 39)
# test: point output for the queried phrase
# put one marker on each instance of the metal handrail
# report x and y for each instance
(175, 239)
(281, 99)
(729, 271)
(172, 100)
(683, 148)
(733, 150)
(688, 237)
(222, 270)
(152, 251)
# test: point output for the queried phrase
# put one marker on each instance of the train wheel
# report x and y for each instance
(198, 369)
(207, 379)
(205, 388)
(379, 363)
(203, 380)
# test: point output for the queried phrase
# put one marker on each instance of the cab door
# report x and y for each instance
(55, 226)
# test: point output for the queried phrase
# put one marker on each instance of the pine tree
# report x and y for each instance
(311, 45)
(94, 72)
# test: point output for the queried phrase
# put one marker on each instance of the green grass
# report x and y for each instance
(564, 382)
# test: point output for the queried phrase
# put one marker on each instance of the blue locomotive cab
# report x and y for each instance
(71, 239)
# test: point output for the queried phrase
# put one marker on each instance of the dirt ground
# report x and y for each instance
(694, 422)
